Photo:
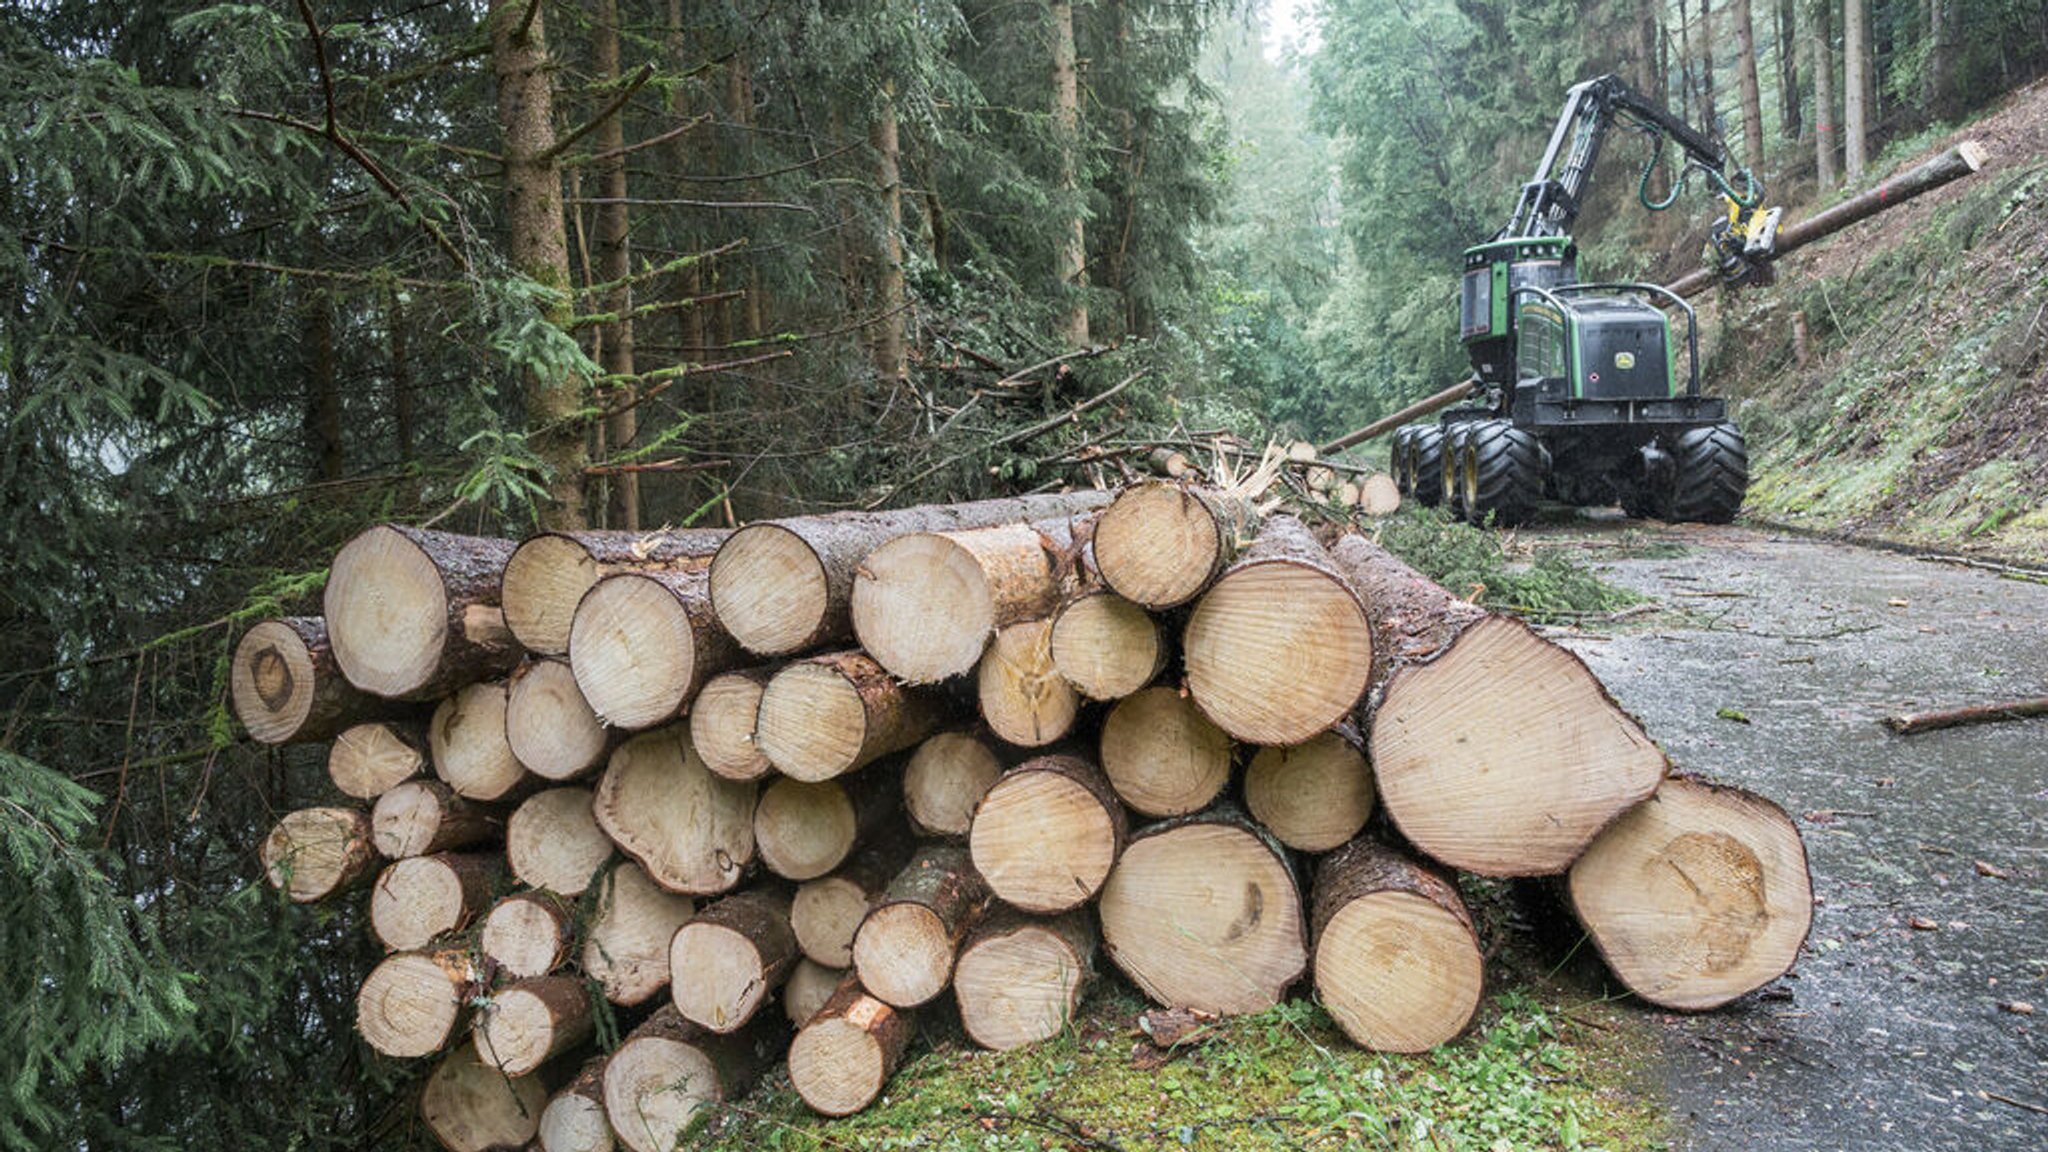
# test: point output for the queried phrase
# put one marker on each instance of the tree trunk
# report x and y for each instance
(892, 362)
(904, 950)
(1855, 88)
(413, 614)
(1397, 962)
(1163, 757)
(527, 934)
(1791, 122)
(549, 726)
(692, 831)
(1750, 87)
(1047, 834)
(784, 586)
(804, 830)
(547, 576)
(471, 1106)
(946, 777)
(668, 1070)
(831, 714)
(625, 943)
(843, 1058)
(809, 988)
(643, 643)
(422, 817)
(574, 1120)
(538, 241)
(1687, 64)
(723, 720)
(421, 899)
(314, 853)
(532, 1021)
(411, 1004)
(467, 741)
(553, 842)
(1106, 647)
(1279, 648)
(1020, 980)
(1162, 543)
(368, 760)
(286, 687)
(1697, 896)
(401, 375)
(1943, 98)
(1313, 797)
(1072, 259)
(1204, 912)
(615, 267)
(323, 408)
(827, 911)
(737, 952)
(1709, 120)
(1821, 51)
(1020, 692)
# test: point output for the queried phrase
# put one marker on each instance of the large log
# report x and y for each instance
(421, 817)
(945, 778)
(412, 1004)
(286, 687)
(1020, 980)
(1203, 912)
(529, 1022)
(669, 1070)
(809, 988)
(643, 643)
(1106, 646)
(692, 831)
(1494, 751)
(1396, 960)
(723, 720)
(548, 574)
(574, 1120)
(842, 1059)
(783, 586)
(1046, 836)
(737, 953)
(421, 899)
(1279, 649)
(471, 1106)
(1163, 542)
(527, 934)
(803, 831)
(553, 842)
(413, 614)
(470, 752)
(1697, 896)
(926, 605)
(371, 759)
(313, 853)
(631, 924)
(831, 714)
(904, 950)
(1314, 797)
(1162, 755)
(549, 726)
(828, 911)
(1021, 695)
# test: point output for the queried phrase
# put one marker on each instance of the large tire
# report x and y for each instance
(1397, 460)
(1450, 483)
(1503, 473)
(1425, 461)
(1712, 475)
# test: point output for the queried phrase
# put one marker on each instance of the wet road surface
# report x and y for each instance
(1887, 1035)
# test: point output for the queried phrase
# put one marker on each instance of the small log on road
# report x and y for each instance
(527, 934)
(553, 842)
(1047, 834)
(905, 948)
(1910, 723)
(1106, 646)
(1314, 797)
(549, 726)
(802, 831)
(471, 1106)
(692, 831)
(842, 1059)
(413, 614)
(831, 714)
(926, 606)
(286, 687)
(946, 777)
(370, 759)
(313, 853)
(1162, 543)
(412, 1004)
(547, 575)
(1396, 960)
(723, 720)
(421, 817)
(809, 987)
(1021, 694)
(632, 923)
(1020, 980)
(468, 745)
(669, 1070)
(827, 912)
(530, 1022)
(1162, 755)
(736, 952)
(643, 643)
(419, 900)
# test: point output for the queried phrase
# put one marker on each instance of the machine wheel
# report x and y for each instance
(1450, 482)
(1503, 473)
(1712, 475)
(1425, 462)
(1397, 460)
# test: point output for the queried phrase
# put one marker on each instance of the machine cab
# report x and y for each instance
(1572, 347)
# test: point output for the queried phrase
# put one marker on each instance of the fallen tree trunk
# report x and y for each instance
(945, 778)
(533, 1021)
(692, 831)
(831, 714)
(1313, 797)
(314, 853)
(643, 643)
(1397, 962)
(784, 586)
(553, 842)
(1163, 757)
(903, 952)
(632, 923)
(547, 575)
(828, 911)
(411, 1004)
(842, 1059)
(925, 606)
(668, 1070)
(737, 952)
(1910, 723)
(723, 720)
(1436, 402)
(803, 831)
(422, 817)
(1162, 543)
(422, 899)
(809, 988)
(1494, 750)
(468, 745)
(471, 1106)
(1697, 896)
(1020, 980)
(574, 1120)
(413, 614)
(371, 759)
(286, 687)
(527, 934)
(1279, 649)
(1106, 646)
(549, 726)
(1021, 695)
(1047, 834)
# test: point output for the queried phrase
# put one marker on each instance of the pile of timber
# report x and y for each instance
(772, 793)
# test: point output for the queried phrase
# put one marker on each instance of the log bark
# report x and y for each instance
(1021, 695)
(471, 1106)
(1047, 834)
(549, 726)
(527, 934)
(1106, 646)
(692, 831)
(784, 586)
(574, 1120)
(1494, 750)
(314, 853)
(1821, 52)
(809, 988)
(1072, 264)
(1313, 797)
(946, 777)
(469, 748)
(827, 912)
(412, 1004)
(419, 900)
(643, 643)
(413, 614)
(1856, 88)
(368, 760)
(286, 687)
(1698, 896)
(1020, 980)
(625, 944)
(831, 714)
(1163, 757)
(1437, 402)
(803, 831)
(421, 817)
(723, 720)
(1396, 960)
(615, 268)
(904, 950)
(1163, 542)
(668, 1070)
(1279, 649)
(737, 952)
(1748, 85)
(842, 1059)
(532, 1021)
(553, 842)
(1204, 912)
(546, 577)
(1909, 723)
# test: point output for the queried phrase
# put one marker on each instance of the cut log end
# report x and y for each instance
(810, 986)
(1106, 646)
(573, 1122)
(827, 716)
(769, 589)
(722, 723)
(371, 759)
(467, 739)
(1159, 544)
(418, 900)
(409, 1005)
(1163, 757)
(802, 831)
(667, 1073)
(626, 946)
(947, 776)
(315, 852)
(549, 726)
(633, 647)
(736, 953)
(826, 914)
(1046, 836)
(532, 1021)
(1020, 982)
(843, 1058)
(922, 606)
(1022, 696)
(1396, 960)
(553, 842)
(692, 831)
(387, 612)
(423, 816)
(471, 1106)
(904, 953)
(544, 581)
(273, 682)
(1314, 797)
(526, 935)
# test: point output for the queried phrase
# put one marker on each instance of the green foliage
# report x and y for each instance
(1473, 563)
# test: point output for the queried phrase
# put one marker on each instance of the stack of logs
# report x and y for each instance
(649, 781)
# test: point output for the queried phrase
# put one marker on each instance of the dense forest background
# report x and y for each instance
(274, 271)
